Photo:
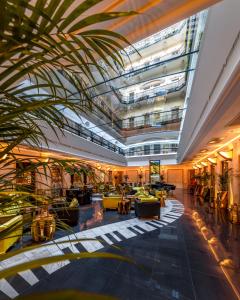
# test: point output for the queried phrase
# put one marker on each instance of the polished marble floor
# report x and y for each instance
(172, 260)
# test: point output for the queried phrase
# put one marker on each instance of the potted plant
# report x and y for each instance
(43, 51)
(161, 178)
(140, 176)
(223, 180)
(205, 177)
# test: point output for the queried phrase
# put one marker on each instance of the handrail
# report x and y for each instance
(161, 35)
(154, 63)
(154, 119)
(162, 92)
(144, 152)
(87, 134)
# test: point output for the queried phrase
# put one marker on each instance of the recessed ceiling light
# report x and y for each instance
(215, 141)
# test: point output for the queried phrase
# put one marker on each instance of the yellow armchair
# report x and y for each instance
(148, 199)
(111, 202)
(139, 189)
(144, 196)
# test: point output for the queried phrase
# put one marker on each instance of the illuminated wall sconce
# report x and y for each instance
(205, 164)
(4, 156)
(212, 160)
(227, 155)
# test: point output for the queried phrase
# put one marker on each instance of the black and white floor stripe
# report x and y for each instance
(105, 235)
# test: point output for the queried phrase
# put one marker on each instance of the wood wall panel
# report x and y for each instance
(175, 176)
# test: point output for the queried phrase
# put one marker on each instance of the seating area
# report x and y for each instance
(39, 215)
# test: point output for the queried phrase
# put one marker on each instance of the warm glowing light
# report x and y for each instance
(212, 241)
(227, 262)
(221, 147)
(199, 166)
(204, 163)
(4, 156)
(226, 154)
(215, 141)
(212, 160)
(224, 263)
(195, 167)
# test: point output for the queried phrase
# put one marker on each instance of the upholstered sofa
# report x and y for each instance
(147, 209)
(111, 202)
(82, 195)
(144, 196)
(67, 212)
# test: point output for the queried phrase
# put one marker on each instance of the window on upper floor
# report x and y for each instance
(156, 148)
(146, 149)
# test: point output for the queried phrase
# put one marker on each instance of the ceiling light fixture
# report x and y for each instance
(212, 160)
(221, 147)
(227, 155)
(215, 140)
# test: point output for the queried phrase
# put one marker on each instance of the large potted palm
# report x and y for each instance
(49, 53)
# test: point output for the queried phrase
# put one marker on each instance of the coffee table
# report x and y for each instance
(124, 206)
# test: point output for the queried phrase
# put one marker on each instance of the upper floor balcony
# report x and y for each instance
(162, 90)
(152, 122)
(154, 119)
(87, 134)
(155, 38)
(154, 62)
(152, 149)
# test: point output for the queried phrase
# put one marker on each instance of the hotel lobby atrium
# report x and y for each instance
(120, 149)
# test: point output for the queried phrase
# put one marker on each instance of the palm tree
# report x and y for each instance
(50, 52)
(44, 48)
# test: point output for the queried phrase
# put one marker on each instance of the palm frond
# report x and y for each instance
(48, 43)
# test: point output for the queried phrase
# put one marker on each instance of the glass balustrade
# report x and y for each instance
(157, 119)
(155, 38)
(87, 134)
(155, 92)
(153, 63)
(153, 149)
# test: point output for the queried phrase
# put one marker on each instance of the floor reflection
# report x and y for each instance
(94, 218)
(217, 220)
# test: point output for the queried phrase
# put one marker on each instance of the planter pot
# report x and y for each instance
(43, 227)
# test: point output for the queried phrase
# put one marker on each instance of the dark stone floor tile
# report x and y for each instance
(214, 287)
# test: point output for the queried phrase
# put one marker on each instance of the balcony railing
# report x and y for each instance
(147, 151)
(156, 119)
(87, 134)
(155, 92)
(154, 63)
(155, 38)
